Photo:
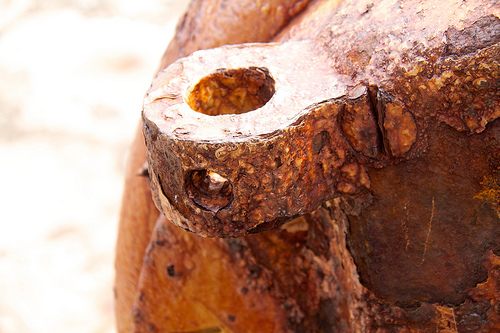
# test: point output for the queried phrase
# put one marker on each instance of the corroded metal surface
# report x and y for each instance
(373, 128)
(213, 23)
(284, 158)
(299, 277)
(273, 158)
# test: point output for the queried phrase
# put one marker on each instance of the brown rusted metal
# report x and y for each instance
(278, 125)
(367, 136)
(279, 161)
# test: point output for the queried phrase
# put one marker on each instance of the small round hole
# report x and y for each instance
(232, 91)
(209, 190)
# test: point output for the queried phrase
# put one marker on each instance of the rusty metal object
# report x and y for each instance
(373, 128)
(284, 158)
(138, 213)
(272, 159)
(208, 24)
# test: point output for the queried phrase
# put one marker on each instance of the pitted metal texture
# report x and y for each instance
(243, 138)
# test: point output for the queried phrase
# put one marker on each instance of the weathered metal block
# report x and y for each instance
(366, 136)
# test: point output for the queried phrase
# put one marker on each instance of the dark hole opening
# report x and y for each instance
(209, 190)
(232, 91)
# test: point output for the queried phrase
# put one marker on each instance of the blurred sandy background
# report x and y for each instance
(72, 77)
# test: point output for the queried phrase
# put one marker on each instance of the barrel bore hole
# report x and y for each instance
(209, 190)
(232, 91)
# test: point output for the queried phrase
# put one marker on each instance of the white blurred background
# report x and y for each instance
(72, 77)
